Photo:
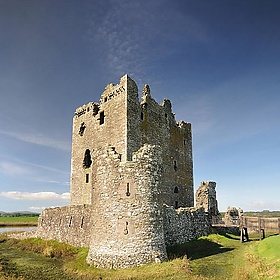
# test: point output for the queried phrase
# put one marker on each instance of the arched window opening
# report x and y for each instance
(176, 190)
(87, 159)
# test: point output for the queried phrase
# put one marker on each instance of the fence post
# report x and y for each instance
(259, 226)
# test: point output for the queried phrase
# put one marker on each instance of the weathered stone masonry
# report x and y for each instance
(131, 191)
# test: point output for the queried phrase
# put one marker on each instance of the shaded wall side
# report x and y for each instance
(159, 127)
(133, 136)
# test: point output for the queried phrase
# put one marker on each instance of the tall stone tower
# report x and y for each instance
(131, 169)
(126, 124)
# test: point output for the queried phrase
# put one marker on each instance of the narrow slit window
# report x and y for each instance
(142, 116)
(70, 221)
(176, 204)
(127, 190)
(185, 142)
(87, 178)
(101, 118)
(82, 222)
(175, 165)
(126, 228)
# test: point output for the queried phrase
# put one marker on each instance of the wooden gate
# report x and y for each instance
(258, 225)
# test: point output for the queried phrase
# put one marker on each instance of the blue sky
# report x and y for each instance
(218, 62)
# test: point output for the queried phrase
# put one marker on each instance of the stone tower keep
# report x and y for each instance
(123, 122)
(131, 191)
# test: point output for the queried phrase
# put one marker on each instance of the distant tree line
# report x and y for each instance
(19, 214)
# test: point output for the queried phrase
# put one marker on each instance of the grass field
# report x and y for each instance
(19, 221)
(212, 257)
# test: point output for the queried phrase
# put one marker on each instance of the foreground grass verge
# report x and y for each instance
(212, 257)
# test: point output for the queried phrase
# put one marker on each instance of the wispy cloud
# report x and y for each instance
(12, 169)
(18, 167)
(35, 195)
(136, 35)
(38, 139)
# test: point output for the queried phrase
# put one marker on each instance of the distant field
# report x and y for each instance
(18, 221)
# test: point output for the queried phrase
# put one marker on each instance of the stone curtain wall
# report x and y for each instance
(184, 224)
(70, 224)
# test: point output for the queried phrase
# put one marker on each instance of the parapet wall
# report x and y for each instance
(70, 224)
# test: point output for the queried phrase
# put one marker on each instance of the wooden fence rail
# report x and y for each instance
(258, 225)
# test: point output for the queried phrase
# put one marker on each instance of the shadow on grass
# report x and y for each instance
(196, 249)
(231, 236)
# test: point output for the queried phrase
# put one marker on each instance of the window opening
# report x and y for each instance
(176, 190)
(87, 178)
(101, 118)
(165, 115)
(176, 204)
(87, 159)
(82, 222)
(82, 129)
(142, 116)
(185, 142)
(70, 221)
(175, 165)
(125, 232)
(127, 190)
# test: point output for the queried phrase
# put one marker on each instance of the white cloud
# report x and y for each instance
(38, 139)
(259, 205)
(35, 196)
(36, 208)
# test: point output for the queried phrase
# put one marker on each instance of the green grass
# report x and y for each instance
(211, 257)
(18, 221)
(268, 250)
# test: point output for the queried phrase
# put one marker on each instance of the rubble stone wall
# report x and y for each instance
(184, 224)
(70, 224)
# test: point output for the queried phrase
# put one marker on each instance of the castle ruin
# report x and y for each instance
(131, 192)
